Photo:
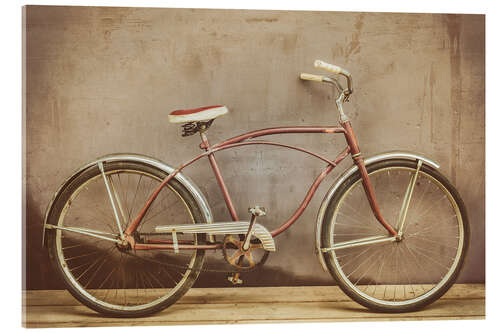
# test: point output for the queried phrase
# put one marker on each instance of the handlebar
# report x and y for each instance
(344, 93)
(311, 77)
(330, 68)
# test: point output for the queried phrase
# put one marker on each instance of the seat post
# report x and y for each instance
(204, 140)
(211, 157)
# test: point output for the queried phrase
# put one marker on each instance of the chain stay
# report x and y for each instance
(190, 268)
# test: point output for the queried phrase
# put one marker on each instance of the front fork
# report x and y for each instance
(367, 185)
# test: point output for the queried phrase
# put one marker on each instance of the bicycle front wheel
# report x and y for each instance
(404, 274)
(109, 278)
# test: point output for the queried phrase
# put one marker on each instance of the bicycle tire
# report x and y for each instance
(151, 282)
(418, 263)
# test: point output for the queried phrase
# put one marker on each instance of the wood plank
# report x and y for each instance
(243, 305)
(56, 316)
(250, 295)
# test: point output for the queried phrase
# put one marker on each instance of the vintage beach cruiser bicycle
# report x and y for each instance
(128, 233)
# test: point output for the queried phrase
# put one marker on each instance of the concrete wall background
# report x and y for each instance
(102, 80)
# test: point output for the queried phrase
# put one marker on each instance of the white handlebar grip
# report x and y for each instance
(327, 67)
(311, 77)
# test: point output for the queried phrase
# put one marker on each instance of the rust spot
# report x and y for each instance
(434, 127)
(263, 19)
(107, 20)
(453, 23)
(107, 34)
(289, 43)
(192, 64)
(359, 23)
(354, 46)
(390, 68)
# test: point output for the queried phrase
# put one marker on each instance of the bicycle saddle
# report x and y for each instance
(199, 114)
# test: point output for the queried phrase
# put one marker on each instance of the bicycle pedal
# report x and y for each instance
(235, 279)
(257, 211)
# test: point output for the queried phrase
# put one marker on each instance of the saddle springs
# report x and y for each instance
(191, 128)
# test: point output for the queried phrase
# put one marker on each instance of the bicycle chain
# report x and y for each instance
(192, 269)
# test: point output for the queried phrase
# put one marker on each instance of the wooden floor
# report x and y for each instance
(50, 308)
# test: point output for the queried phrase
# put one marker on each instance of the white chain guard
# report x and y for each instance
(222, 228)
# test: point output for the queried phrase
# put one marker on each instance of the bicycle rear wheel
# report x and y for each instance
(110, 279)
(402, 275)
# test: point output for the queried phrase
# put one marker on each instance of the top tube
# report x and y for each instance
(278, 130)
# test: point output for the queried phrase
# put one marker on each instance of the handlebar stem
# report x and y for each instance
(344, 94)
(340, 103)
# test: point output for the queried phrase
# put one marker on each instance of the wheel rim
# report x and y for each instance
(405, 272)
(138, 281)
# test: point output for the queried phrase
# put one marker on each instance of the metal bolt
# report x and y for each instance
(257, 211)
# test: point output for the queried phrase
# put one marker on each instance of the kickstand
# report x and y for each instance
(235, 278)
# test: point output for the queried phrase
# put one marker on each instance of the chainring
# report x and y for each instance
(242, 260)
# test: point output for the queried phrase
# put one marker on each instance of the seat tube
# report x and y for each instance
(367, 185)
(218, 176)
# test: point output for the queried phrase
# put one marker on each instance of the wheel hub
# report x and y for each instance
(126, 243)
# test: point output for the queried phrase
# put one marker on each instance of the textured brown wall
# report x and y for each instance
(102, 80)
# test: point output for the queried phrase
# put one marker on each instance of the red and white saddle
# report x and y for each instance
(199, 114)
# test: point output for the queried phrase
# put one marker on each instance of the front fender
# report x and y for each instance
(391, 155)
(184, 180)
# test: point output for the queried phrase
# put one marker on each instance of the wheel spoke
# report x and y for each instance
(374, 262)
(426, 239)
(135, 196)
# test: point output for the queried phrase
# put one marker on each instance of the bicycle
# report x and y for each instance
(128, 233)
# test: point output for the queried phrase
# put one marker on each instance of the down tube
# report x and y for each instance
(310, 193)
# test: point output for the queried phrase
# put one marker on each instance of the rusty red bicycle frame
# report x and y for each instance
(245, 140)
